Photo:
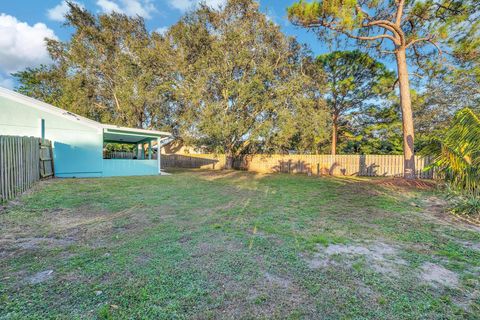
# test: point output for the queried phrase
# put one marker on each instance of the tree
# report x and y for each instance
(42, 83)
(375, 130)
(448, 89)
(242, 82)
(395, 27)
(353, 78)
(111, 70)
(226, 79)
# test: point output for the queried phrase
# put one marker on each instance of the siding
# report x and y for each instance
(77, 148)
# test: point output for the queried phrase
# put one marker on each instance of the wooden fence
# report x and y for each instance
(204, 161)
(346, 165)
(119, 155)
(23, 161)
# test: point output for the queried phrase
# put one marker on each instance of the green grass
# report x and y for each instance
(230, 245)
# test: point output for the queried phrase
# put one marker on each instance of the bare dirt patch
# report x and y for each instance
(401, 183)
(435, 275)
(84, 225)
(437, 208)
(470, 245)
(36, 243)
(40, 277)
(9, 246)
(272, 296)
(277, 280)
(382, 257)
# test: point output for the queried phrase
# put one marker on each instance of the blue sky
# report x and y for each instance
(25, 23)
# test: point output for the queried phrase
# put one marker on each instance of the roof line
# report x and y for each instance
(136, 130)
(42, 106)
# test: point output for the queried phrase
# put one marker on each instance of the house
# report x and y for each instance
(78, 142)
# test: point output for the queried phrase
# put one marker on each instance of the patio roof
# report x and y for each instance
(113, 133)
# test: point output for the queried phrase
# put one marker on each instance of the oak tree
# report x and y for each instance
(242, 80)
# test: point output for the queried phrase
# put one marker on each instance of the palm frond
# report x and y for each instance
(457, 153)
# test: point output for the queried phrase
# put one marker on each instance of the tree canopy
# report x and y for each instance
(229, 80)
(111, 70)
(353, 80)
(245, 87)
(403, 28)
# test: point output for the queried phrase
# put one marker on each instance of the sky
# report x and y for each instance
(25, 23)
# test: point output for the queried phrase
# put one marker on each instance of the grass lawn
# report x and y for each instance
(201, 244)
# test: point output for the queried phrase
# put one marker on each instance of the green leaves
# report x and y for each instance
(354, 81)
(245, 89)
(314, 12)
(111, 70)
(457, 153)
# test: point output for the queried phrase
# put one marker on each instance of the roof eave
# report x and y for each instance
(149, 133)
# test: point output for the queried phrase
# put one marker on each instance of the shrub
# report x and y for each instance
(457, 161)
(463, 202)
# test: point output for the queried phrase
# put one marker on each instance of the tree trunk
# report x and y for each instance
(229, 160)
(334, 134)
(407, 116)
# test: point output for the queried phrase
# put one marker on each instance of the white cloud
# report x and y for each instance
(184, 5)
(142, 8)
(162, 30)
(22, 45)
(109, 6)
(58, 12)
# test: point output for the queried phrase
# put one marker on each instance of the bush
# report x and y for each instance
(457, 161)
(463, 202)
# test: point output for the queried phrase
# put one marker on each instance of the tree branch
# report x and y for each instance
(314, 24)
(394, 84)
(396, 30)
(398, 18)
(380, 36)
(387, 52)
(426, 39)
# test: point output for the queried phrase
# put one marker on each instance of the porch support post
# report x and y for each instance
(158, 156)
(149, 149)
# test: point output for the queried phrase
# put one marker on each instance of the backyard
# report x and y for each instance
(231, 244)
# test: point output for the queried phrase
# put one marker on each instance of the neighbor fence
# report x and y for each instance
(204, 161)
(119, 155)
(23, 161)
(340, 165)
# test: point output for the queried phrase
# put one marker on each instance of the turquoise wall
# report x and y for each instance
(77, 148)
(126, 167)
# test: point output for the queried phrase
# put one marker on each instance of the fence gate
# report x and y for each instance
(46, 159)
